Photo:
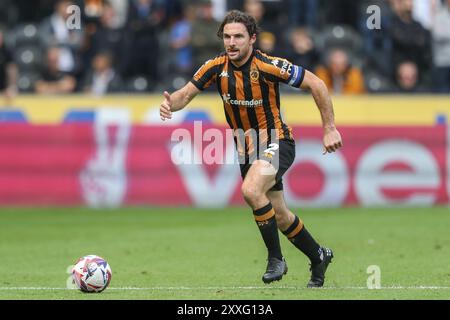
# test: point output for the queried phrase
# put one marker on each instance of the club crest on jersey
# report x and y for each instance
(254, 75)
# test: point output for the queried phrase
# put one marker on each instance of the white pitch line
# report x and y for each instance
(231, 288)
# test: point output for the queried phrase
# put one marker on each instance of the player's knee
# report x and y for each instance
(250, 193)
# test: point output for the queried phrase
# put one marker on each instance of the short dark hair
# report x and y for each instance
(236, 16)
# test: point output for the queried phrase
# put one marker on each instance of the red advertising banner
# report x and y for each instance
(110, 164)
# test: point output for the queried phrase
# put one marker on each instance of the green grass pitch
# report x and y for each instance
(186, 253)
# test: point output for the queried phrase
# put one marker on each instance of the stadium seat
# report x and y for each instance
(138, 84)
(79, 116)
(28, 57)
(441, 119)
(376, 83)
(26, 34)
(26, 81)
(197, 115)
(340, 36)
(9, 13)
(12, 116)
(179, 82)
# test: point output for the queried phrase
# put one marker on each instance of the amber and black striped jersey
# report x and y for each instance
(250, 93)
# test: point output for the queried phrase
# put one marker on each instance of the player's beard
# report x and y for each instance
(238, 55)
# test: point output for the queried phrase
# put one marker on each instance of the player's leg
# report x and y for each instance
(257, 182)
(293, 228)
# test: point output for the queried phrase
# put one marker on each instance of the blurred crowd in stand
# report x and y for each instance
(355, 46)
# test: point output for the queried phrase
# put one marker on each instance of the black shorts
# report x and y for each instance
(282, 160)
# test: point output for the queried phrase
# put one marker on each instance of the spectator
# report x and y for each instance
(340, 76)
(267, 43)
(219, 9)
(145, 18)
(407, 78)
(173, 10)
(120, 8)
(342, 12)
(256, 9)
(377, 42)
(9, 13)
(410, 41)
(303, 12)
(92, 8)
(180, 42)
(204, 40)
(102, 78)
(441, 48)
(424, 12)
(132, 31)
(108, 37)
(36, 13)
(53, 80)
(301, 50)
(8, 72)
(54, 32)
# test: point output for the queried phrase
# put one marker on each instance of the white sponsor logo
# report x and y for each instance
(104, 178)
(275, 62)
(226, 98)
(224, 74)
(365, 180)
(246, 103)
(425, 174)
(206, 191)
(335, 187)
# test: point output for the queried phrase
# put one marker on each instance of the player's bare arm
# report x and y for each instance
(332, 139)
(177, 100)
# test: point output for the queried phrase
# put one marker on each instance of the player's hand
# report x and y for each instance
(165, 107)
(332, 140)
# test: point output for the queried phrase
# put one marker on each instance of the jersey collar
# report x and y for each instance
(246, 64)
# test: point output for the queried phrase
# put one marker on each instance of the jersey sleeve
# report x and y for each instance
(282, 70)
(205, 75)
(296, 76)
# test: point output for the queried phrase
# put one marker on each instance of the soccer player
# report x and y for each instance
(248, 82)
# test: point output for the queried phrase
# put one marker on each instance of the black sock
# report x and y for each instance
(265, 219)
(303, 240)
